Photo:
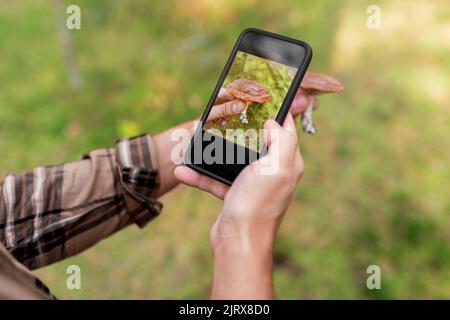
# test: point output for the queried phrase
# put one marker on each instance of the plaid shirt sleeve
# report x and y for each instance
(55, 212)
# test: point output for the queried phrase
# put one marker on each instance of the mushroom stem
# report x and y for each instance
(307, 123)
(243, 116)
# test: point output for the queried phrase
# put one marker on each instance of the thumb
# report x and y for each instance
(280, 141)
(270, 135)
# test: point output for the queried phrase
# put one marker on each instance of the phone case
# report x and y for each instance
(284, 109)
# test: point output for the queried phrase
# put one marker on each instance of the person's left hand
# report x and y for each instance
(301, 102)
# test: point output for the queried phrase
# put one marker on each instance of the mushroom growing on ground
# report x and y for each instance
(248, 91)
(314, 84)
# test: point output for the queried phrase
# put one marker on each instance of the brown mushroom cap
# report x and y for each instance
(249, 90)
(317, 83)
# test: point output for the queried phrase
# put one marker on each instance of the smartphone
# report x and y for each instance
(263, 73)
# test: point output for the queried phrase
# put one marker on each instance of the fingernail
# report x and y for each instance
(238, 107)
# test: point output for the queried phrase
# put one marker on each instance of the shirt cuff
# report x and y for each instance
(137, 168)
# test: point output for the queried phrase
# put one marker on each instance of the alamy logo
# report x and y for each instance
(74, 279)
(216, 152)
(374, 19)
(73, 21)
(374, 280)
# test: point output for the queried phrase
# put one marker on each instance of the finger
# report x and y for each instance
(281, 141)
(291, 130)
(226, 109)
(299, 104)
(223, 96)
(269, 126)
(289, 125)
(299, 163)
(194, 179)
(272, 127)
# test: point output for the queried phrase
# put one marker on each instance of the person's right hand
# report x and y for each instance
(243, 235)
(254, 205)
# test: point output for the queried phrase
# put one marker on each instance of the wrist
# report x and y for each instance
(165, 144)
(246, 230)
(248, 243)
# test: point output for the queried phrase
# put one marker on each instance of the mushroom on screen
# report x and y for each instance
(248, 91)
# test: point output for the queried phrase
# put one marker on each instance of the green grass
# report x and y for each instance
(375, 190)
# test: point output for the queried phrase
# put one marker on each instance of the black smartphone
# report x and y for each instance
(263, 73)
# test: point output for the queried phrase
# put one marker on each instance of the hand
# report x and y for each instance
(298, 106)
(301, 102)
(242, 236)
(226, 109)
(250, 208)
(164, 144)
(225, 105)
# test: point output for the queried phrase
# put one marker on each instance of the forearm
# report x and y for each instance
(55, 212)
(243, 270)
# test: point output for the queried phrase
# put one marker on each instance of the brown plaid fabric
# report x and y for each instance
(56, 212)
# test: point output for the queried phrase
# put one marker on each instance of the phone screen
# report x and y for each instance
(260, 85)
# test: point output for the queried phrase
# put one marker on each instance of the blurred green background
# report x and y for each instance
(376, 188)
